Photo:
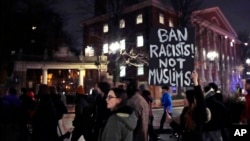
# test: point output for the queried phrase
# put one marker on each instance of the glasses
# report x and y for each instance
(110, 97)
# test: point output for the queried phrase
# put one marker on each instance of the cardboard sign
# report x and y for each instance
(171, 55)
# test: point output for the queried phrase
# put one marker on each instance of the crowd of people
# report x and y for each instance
(122, 113)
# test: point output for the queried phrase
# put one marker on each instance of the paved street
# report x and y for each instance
(67, 120)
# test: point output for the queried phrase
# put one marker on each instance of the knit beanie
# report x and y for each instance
(104, 87)
(80, 90)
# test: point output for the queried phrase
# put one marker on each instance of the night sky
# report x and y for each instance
(236, 12)
(73, 12)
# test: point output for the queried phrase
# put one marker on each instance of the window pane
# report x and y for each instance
(105, 48)
(170, 23)
(122, 23)
(139, 19)
(122, 44)
(105, 28)
(140, 41)
(140, 69)
(122, 71)
(161, 18)
(89, 51)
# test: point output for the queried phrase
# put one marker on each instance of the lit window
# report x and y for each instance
(105, 28)
(89, 51)
(140, 41)
(139, 19)
(170, 23)
(161, 18)
(122, 44)
(105, 48)
(122, 23)
(140, 69)
(122, 71)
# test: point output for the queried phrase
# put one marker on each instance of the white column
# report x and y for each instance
(81, 77)
(216, 67)
(45, 76)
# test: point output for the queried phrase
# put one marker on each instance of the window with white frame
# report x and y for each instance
(89, 51)
(105, 48)
(161, 18)
(105, 28)
(139, 41)
(170, 23)
(122, 71)
(140, 69)
(122, 23)
(139, 19)
(122, 44)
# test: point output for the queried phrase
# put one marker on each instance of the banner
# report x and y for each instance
(172, 52)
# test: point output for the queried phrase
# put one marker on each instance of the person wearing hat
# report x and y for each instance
(193, 116)
(245, 118)
(166, 101)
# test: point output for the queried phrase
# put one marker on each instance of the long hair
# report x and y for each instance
(189, 121)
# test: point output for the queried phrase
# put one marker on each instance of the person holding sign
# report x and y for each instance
(193, 115)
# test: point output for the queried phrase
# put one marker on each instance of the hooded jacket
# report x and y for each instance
(120, 125)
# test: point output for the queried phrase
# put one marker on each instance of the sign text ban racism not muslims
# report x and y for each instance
(171, 56)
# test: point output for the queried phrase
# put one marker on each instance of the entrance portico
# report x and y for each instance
(21, 67)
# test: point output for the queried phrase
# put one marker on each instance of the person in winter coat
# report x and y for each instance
(141, 108)
(147, 96)
(220, 116)
(82, 121)
(193, 116)
(122, 122)
(101, 113)
(44, 122)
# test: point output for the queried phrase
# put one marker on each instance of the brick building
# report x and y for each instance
(126, 27)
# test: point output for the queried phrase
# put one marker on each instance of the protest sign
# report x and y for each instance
(171, 55)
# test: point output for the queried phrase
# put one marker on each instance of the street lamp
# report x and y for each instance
(115, 48)
(212, 55)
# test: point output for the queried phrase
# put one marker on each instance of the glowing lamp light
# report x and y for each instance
(114, 47)
(212, 55)
(248, 61)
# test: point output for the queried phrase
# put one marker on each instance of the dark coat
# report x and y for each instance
(199, 117)
(220, 115)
